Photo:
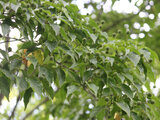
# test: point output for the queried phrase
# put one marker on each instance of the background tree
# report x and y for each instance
(76, 69)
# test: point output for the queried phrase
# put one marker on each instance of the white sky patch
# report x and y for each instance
(133, 36)
(151, 16)
(124, 6)
(136, 25)
(107, 6)
(143, 14)
(141, 35)
(148, 7)
(146, 27)
(91, 106)
(139, 2)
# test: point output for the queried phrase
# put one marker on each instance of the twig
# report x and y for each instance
(89, 92)
(30, 113)
(7, 41)
(15, 39)
(14, 109)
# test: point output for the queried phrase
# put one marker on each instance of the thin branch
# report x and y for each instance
(14, 109)
(30, 113)
(7, 41)
(89, 92)
(14, 39)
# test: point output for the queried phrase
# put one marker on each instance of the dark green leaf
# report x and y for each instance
(27, 96)
(4, 87)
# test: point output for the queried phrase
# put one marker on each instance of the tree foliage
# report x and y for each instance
(87, 67)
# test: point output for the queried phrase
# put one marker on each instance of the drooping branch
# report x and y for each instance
(30, 113)
(14, 109)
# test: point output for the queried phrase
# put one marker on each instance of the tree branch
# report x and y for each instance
(89, 92)
(14, 39)
(14, 109)
(7, 41)
(30, 113)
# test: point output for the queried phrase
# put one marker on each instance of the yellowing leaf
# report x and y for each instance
(38, 54)
(117, 116)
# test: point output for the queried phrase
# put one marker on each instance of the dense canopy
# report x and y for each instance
(80, 69)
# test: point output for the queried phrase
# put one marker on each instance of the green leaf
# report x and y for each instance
(121, 77)
(47, 73)
(87, 75)
(106, 92)
(33, 60)
(96, 110)
(61, 76)
(51, 45)
(93, 37)
(150, 73)
(15, 64)
(48, 88)
(30, 46)
(56, 28)
(128, 76)
(134, 58)
(35, 84)
(74, 76)
(67, 15)
(4, 87)
(71, 89)
(124, 106)
(5, 29)
(111, 60)
(94, 88)
(127, 91)
(146, 53)
(15, 7)
(22, 83)
(27, 96)
(4, 54)
(104, 34)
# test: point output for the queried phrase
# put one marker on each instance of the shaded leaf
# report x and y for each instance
(5, 29)
(134, 58)
(94, 88)
(127, 91)
(35, 84)
(51, 45)
(4, 87)
(124, 106)
(61, 76)
(27, 96)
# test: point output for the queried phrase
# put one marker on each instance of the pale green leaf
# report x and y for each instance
(126, 89)
(61, 76)
(35, 84)
(134, 58)
(94, 88)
